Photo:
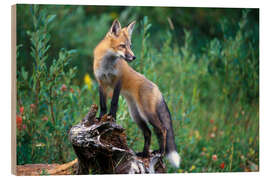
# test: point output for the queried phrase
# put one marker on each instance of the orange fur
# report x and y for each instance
(131, 80)
(145, 101)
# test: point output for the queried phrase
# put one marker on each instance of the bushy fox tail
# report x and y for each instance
(174, 158)
(165, 118)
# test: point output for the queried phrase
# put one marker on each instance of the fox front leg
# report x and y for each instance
(115, 98)
(102, 101)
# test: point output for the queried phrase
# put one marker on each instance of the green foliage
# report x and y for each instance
(206, 64)
(49, 101)
(213, 98)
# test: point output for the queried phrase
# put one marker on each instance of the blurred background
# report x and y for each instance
(204, 60)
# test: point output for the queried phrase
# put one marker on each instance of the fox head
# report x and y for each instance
(120, 40)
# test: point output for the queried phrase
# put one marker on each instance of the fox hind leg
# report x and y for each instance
(143, 126)
(147, 138)
(160, 131)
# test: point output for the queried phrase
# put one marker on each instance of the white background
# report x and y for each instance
(5, 85)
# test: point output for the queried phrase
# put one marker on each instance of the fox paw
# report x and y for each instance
(111, 118)
(158, 151)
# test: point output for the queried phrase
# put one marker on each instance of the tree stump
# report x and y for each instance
(101, 146)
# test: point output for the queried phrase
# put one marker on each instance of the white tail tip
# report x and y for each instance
(174, 158)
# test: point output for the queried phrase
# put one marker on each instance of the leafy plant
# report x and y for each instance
(47, 100)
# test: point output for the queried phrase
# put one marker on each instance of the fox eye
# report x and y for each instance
(122, 45)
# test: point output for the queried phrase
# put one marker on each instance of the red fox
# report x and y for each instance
(145, 102)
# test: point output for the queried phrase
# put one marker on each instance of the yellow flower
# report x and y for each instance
(88, 81)
(192, 168)
(250, 140)
(180, 171)
(113, 15)
(251, 152)
(197, 134)
(40, 145)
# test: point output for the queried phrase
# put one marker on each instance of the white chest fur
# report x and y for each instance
(107, 69)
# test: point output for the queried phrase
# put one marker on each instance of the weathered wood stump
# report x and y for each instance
(47, 169)
(100, 144)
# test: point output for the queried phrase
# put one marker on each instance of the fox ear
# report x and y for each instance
(115, 28)
(130, 28)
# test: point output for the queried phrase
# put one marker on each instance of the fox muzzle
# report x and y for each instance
(129, 58)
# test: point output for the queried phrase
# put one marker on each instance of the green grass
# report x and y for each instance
(213, 93)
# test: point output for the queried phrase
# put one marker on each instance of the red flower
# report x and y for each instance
(214, 157)
(24, 126)
(45, 118)
(222, 165)
(21, 109)
(19, 121)
(32, 106)
(211, 121)
(63, 87)
(71, 90)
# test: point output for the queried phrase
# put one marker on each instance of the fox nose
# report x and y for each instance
(134, 57)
